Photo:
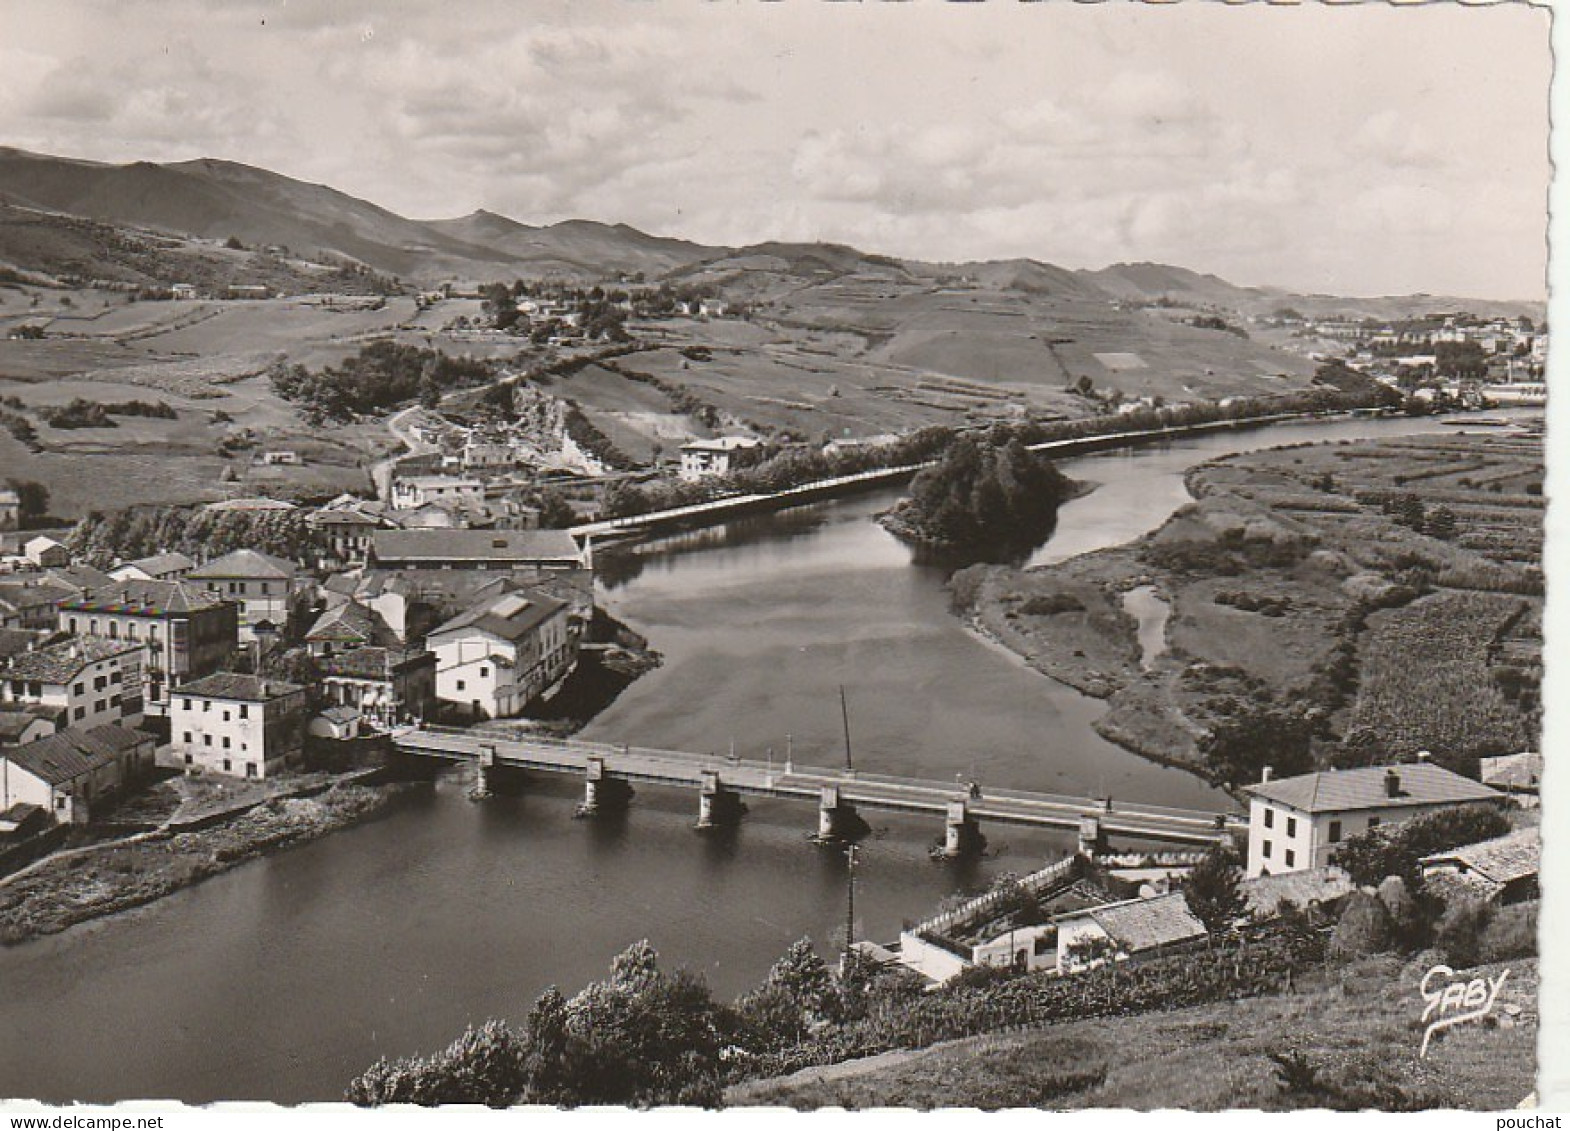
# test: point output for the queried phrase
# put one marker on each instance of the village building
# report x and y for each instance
(702, 458)
(417, 490)
(1514, 773)
(1296, 823)
(95, 681)
(66, 774)
(494, 659)
(1129, 929)
(539, 551)
(1501, 870)
(239, 725)
(31, 602)
(379, 685)
(156, 567)
(45, 552)
(347, 625)
(188, 632)
(488, 455)
(266, 587)
(28, 722)
(346, 524)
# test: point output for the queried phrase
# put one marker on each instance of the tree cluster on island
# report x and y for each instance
(987, 497)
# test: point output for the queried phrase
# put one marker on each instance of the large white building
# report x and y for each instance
(493, 659)
(1296, 823)
(702, 458)
(240, 725)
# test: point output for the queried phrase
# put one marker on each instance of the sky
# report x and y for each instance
(1349, 149)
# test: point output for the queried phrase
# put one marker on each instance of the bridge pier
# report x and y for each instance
(1092, 837)
(717, 805)
(838, 821)
(482, 773)
(602, 793)
(961, 832)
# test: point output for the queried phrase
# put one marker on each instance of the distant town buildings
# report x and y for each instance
(547, 551)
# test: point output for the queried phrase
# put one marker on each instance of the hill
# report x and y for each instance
(1358, 1033)
(574, 248)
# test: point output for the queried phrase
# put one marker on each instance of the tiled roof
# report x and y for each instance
(510, 616)
(78, 576)
(1339, 791)
(1142, 924)
(158, 565)
(69, 754)
(1514, 856)
(368, 663)
(15, 719)
(1513, 771)
(350, 621)
(58, 663)
(1301, 888)
(476, 545)
(233, 685)
(246, 564)
(31, 594)
(145, 597)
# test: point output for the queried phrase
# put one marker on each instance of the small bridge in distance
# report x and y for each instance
(609, 773)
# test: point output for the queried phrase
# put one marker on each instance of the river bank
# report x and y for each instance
(73, 887)
(1289, 580)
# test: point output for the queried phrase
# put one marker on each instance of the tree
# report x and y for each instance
(32, 497)
(1238, 749)
(233, 244)
(1212, 891)
(556, 512)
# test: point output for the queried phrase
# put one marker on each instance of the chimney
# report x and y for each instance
(1392, 783)
(1264, 775)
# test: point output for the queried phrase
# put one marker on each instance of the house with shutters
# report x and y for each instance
(495, 658)
(188, 632)
(1296, 823)
(238, 725)
(93, 681)
(267, 589)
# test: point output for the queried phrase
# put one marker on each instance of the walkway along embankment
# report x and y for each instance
(731, 507)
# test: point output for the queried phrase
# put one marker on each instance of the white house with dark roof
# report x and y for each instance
(266, 588)
(95, 681)
(1296, 823)
(240, 725)
(702, 458)
(493, 659)
(1116, 931)
(66, 773)
(156, 567)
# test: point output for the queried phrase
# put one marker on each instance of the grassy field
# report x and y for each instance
(1360, 1026)
(1296, 582)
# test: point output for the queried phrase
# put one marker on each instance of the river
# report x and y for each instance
(283, 978)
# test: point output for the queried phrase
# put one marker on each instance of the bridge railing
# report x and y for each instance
(778, 772)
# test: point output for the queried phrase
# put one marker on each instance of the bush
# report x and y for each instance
(1510, 933)
(1050, 604)
(1460, 933)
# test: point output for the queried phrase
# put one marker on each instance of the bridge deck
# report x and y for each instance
(642, 765)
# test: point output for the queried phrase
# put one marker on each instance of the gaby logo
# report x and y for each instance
(1450, 1002)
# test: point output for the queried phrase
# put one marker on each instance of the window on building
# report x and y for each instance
(206, 706)
(484, 672)
(188, 738)
(226, 742)
(73, 626)
(1291, 858)
(1270, 818)
(245, 710)
(116, 700)
(1335, 832)
(207, 740)
(187, 703)
(100, 682)
(114, 630)
(227, 766)
(80, 689)
(79, 714)
(1264, 850)
(460, 685)
(188, 758)
(1291, 826)
(250, 769)
(226, 716)
(92, 627)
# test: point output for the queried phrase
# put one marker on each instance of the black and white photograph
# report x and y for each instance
(793, 554)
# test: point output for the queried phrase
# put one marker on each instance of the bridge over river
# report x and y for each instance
(609, 773)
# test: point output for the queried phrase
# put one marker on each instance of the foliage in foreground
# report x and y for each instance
(1395, 850)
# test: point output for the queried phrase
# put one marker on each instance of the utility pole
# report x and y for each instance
(850, 909)
(845, 717)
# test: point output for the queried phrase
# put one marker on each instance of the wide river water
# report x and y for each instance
(283, 978)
